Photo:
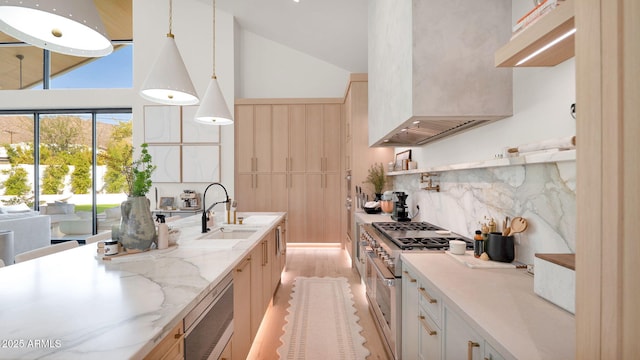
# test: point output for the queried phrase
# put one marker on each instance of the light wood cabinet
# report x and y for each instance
(323, 137)
(305, 139)
(253, 138)
(323, 207)
(254, 192)
(241, 340)
(262, 289)
(171, 347)
(288, 138)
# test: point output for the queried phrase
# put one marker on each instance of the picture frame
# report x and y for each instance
(400, 160)
(166, 203)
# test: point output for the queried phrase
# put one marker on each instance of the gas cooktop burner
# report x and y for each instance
(406, 226)
(417, 235)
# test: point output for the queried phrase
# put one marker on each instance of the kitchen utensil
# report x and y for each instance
(500, 248)
(518, 225)
(506, 231)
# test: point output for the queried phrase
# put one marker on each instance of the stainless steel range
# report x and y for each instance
(383, 242)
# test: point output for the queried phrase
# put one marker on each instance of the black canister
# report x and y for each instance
(500, 248)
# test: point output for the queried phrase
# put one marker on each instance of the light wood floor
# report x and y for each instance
(331, 262)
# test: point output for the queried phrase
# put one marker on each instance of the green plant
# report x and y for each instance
(138, 174)
(376, 177)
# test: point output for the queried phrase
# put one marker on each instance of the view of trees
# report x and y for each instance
(65, 146)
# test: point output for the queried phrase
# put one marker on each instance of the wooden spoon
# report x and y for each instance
(518, 225)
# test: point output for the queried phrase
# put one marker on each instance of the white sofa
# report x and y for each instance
(30, 230)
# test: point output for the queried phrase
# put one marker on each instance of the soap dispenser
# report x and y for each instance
(163, 233)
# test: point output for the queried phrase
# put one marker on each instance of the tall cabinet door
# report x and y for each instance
(314, 138)
(280, 138)
(297, 138)
(262, 138)
(332, 207)
(244, 138)
(296, 218)
(332, 119)
(315, 208)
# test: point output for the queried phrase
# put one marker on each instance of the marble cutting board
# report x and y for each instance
(471, 261)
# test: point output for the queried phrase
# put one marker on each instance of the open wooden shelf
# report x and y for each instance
(546, 29)
(524, 159)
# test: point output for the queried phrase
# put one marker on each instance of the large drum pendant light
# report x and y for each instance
(213, 109)
(71, 27)
(168, 81)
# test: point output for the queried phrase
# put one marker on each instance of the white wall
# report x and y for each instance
(192, 27)
(267, 69)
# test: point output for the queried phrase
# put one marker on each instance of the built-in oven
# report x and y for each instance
(383, 291)
(209, 326)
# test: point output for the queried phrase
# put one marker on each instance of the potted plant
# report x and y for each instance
(377, 179)
(137, 229)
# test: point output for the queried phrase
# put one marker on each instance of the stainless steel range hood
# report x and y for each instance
(421, 130)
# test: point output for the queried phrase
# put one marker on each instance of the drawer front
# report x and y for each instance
(430, 338)
(431, 301)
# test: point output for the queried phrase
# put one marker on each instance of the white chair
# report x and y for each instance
(47, 250)
(1, 263)
(98, 237)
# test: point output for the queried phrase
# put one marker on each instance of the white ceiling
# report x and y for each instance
(334, 31)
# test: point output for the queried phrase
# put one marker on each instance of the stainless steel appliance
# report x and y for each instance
(348, 203)
(383, 243)
(209, 326)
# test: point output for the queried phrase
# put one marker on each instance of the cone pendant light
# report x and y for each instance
(71, 27)
(168, 81)
(213, 109)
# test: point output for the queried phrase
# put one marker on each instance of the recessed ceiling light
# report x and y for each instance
(296, 0)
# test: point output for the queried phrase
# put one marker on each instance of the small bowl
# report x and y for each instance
(457, 247)
(375, 210)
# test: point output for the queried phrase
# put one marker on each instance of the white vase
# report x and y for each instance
(137, 229)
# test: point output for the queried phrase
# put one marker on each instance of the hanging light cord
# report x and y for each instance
(170, 34)
(214, 39)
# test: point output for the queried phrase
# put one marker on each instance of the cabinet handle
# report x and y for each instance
(244, 264)
(290, 164)
(256, 175)
(430, 331)
(409, 276)
(424, 293)
(470, 346)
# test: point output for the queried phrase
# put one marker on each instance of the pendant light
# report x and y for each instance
(71, 27)
(168, 81)
(213, 109)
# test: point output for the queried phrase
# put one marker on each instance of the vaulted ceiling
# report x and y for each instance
(331, 30)
(334, 31)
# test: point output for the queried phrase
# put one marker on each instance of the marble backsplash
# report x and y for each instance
(544, 194)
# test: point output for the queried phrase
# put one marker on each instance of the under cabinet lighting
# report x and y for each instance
(547, 46)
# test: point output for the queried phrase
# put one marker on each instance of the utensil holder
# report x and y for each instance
(500, 248)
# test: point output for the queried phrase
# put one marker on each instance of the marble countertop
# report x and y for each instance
(74, 305)
(363, 217)
(502, 303)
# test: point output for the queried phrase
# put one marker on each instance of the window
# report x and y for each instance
(79, 156)
(23, 67)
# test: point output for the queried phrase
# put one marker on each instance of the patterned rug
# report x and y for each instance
(322, 322)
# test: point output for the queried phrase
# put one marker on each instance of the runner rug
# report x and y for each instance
(322, 322)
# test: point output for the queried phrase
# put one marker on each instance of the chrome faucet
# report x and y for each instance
(205, 216)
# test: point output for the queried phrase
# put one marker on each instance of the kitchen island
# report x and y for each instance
(75, 305)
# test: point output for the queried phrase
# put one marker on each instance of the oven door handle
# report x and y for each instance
(384, 274)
